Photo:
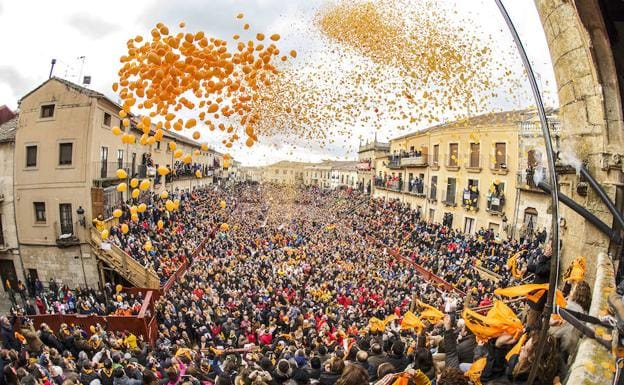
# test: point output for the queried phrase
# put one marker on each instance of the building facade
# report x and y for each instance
(66, 162)
(10, 263)
(367, 154)
(344, 174)
(251, 174)
(285, 173)
(462, 174)
(533, 206)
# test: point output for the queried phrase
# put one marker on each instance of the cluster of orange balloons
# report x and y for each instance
(166, 73)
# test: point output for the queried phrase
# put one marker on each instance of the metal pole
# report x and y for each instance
(554, 194)
(84, 273)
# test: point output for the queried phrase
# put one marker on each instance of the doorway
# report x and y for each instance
(7, 273)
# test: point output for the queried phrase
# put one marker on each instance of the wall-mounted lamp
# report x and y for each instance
(81, 217)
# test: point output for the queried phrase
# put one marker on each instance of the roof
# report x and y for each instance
(74, 86)
(8, 129)
(379, 146)
(98, 95)
(513, 116)
(348, 165)
(6, 114)
(287, 163)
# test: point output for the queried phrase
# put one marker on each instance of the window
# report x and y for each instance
(475, 155)
(534, 158)
(65, 154)
(284, 172)
(277, 171)
(31, 156)
(120, 157)
(1, 232)
(431, 214)
(453, 154)
(469, 225)
(133, 170)
(436, 153)
(67, 226)
(433, 190)
(158, 145)
(47, 111)
(501, 155)
(530, 220)
(40, 211)
(103, 162)
(107, 119)
(450, 190)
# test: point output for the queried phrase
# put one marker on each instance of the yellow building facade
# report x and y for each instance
(462, 174)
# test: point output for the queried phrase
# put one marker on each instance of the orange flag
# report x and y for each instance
(474, 373)
(512, 265)
(429, 312)
(376, 324)
(531, 291)
(499, 320)
(576, 272)
(411, 321)
(517, 347)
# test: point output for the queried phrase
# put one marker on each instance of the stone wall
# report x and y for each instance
(590, 113)
(594, 364)
(62, 264)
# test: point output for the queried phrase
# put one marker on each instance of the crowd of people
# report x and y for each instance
(302, 286)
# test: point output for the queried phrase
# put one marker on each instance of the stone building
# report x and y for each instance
(587, 51)
(533, 207)
(367, 154)
(285, 173)
(344, 174)
(11, 268)
(462, 173)
(66, 162)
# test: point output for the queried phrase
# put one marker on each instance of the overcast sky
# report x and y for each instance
(34, 32)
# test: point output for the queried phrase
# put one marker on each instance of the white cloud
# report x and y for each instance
(92, 26)
(104, 27)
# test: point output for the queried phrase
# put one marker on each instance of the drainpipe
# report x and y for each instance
(19, 250)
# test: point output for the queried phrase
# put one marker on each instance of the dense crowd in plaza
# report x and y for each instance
(302, 286)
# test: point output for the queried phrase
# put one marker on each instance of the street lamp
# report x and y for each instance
(81, 217)
(81, 221)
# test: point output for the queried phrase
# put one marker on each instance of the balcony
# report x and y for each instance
(499, 166)
(495, 204)
(363, 166)
(407, 159)
(526, 180)
(473, 165)
(414, 161)
(449, 198)
(470, 199)
(418, 189)
(66, 237)
(108, 170)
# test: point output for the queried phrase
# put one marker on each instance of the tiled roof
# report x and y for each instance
(8, 129)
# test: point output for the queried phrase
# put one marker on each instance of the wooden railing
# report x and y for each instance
(142, 325)
(125, 265)
(423, 272)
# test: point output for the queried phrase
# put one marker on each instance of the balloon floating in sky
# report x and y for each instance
(167, 74)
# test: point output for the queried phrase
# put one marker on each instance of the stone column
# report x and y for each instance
(590, 114)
